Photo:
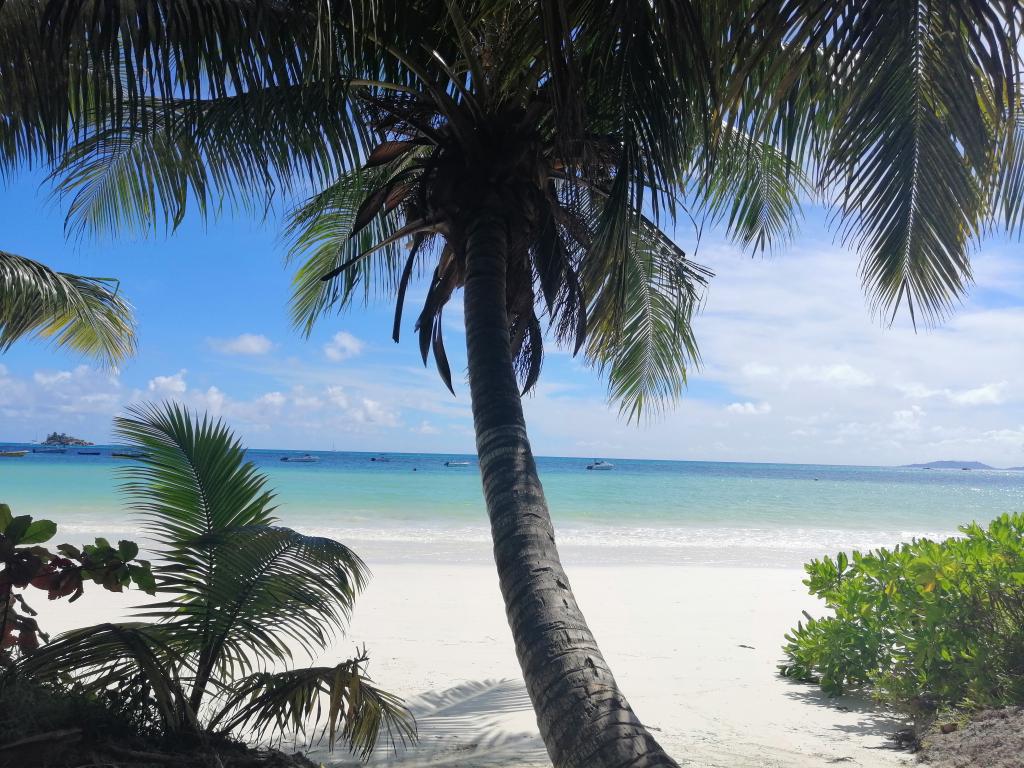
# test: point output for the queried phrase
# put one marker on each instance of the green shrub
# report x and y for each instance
(923, 625)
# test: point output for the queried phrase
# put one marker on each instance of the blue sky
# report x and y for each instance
(796, 368)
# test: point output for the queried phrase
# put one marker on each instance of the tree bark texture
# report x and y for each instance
(583, 717)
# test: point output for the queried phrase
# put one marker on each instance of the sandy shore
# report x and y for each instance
(677, 638)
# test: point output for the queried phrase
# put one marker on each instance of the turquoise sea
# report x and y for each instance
(411, 506)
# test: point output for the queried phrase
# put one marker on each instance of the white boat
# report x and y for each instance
(456, 463)
(13, 454)
(599, 464)
(304, 459)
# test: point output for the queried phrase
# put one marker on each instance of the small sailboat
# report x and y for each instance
(130, 454)
(13, 454)
(304, 459)
(456, 463)
(601, 464)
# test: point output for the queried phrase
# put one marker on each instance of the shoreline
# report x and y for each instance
(693, 647)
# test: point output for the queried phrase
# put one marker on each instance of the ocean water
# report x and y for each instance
(412, 507)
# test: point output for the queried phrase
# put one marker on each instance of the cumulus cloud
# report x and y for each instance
(990, 394)
(749, 409)
(244, 344)
(272, 399)
(426, 428)
(342, 346)
(168, 385)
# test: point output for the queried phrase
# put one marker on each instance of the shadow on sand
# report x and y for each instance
(477, 723)
(871, 719)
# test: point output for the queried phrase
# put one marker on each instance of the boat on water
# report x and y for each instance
(49, 450)
(88, 453)
(130, 455)
(13, 454)
(304, 459)
(456, 463)
(380, 458)
(600, 464)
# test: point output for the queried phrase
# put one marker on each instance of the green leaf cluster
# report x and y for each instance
(25, 563)
(924, 625)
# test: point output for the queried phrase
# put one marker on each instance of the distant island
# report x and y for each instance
(952, 465)
(59, 438)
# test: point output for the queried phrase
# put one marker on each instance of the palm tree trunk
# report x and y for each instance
(583, 717)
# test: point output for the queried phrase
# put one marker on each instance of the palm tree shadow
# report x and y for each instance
(483, 723)
(872, 720)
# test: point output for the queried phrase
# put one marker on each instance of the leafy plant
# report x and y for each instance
(239, 591)
(924, 625)
(26, 563)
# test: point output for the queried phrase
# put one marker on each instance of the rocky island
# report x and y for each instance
(59, 438)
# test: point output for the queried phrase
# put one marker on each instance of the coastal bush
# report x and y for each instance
(924, 625)
(25, 563)
(238, 593)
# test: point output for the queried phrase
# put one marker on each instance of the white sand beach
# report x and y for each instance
(694, 648)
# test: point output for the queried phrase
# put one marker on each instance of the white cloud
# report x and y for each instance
(272, 399)
(376, 413)
(245, 344)
(169, 385)
(907, 419)
(342, 346)
(749, 409)
(426, 428)
(990, 394)
(48, 379)
(211, 401)
(336, 396)
(842, 375)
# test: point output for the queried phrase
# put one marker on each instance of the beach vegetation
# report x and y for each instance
(237, 595)
(83, 314)
(27, 563)
(923, 626)
(535, 156)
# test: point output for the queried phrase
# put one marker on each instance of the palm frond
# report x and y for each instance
(754, 188)
(243, 588)
(336, 257)
(119, 657)
(244, 151)
(639, 329)
(195, 483)
(342, 698)
(903, 104)
(271, 589)
(81, 313)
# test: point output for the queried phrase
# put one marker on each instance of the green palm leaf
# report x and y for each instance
(347, 703)
(81, 313)
(118, 657)
(904, 106)
(243, 588)
(639, 322)
(754, 188)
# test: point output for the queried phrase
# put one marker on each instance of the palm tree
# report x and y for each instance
(82, 313)
(239, 590)
(529, 154)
